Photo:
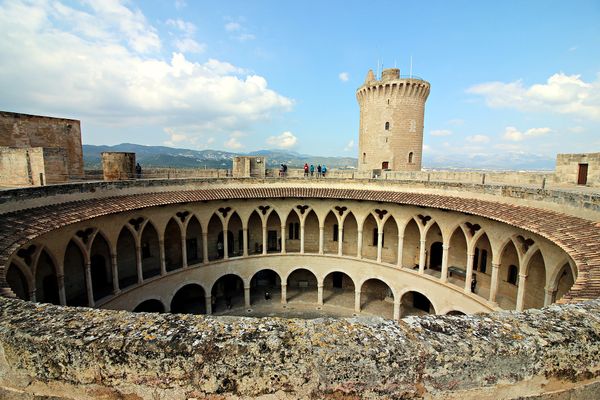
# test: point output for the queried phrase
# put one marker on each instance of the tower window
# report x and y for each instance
(364, 157)
(387, 126)
(410, 157)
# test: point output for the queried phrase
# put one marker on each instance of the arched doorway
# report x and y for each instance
(46, 281)
(350, 236)
(311, 233)
(292, 243)
(389, 251)
(457, 258)
(150, 306)
(564, 281)
(302, 286)
(235, 236)
(411, 245)
(370, 238)
(102, 279)
(265, 287)
(536, 282)
(338, 290)
(482, 268)
(227, 294)
(173, 250)
(436, 252)
(17, 282)
(331, 234)
(273, 233)
(377, 298)
(75, 282)
(190, 299)
(508, 281)
(415, 303)
(193, 241)
(216, 246)
(126, 259)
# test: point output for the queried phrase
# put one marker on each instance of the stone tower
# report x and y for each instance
(391, 121)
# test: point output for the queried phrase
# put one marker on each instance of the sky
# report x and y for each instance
(512, 82)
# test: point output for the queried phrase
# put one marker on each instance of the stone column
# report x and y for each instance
(283, 251)
(115, 273)
(208, 302)
(445, 251)
(247, 296)
(396, 309)
(359, 243)
(320, 294)
(245, 241)
(161, 252)
(400, 250)
(494, 282)
(302, 236)
(521, 292)
(225, 240)
(549, 296)
(422, 257)
(88, 284)
(204, 247)
(32, 295)
(357, 301)
(470, 257)
(284, 293)
(340, 240)
(62, 296)
(184, 263)
(379, 243)
(138, 262)
(321, 238)
(264, 237)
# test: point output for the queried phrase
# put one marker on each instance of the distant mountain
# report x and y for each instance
(161, 156)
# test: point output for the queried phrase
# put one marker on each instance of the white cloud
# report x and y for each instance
(513, 134)
(244, 37)
(179, 4)
(186, 27)
(478, 139)
(577, 129)
(233, 26)
(349, 146)
(105, 74)
(344, 76)
(456, 122)
(286, 140)
(440, 132)
(233, 143)
(563, 94)
(188, 45)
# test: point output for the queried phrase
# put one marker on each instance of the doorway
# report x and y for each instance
(385, 165)
(582, 174)
(272, 241)
(435, 256)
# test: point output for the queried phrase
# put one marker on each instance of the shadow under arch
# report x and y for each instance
(150, 306)
(189, 299)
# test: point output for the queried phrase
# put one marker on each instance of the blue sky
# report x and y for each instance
(512, 82)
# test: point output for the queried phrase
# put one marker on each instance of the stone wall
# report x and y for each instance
(567, 168)
(23, 130)
(246, 167)
(67, 353)
(118, 166)
(32, 166)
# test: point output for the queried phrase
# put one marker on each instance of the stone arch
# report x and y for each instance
(454, 313)
(150, 251)
(255, 241)
(535, 270)
(369, 237)
(215, 228)
(414, 302)
(292, 240)
(411, 244)
(227, 293)
(101, 267)
(389, 251)
(150, 306)
(172, 247)
(457, 256)
(350, 236)
(126, 258)
(482, 263)
(46, 279)
(273, 232)
(507, 292)
(377, 297)
(302, 285)
(331, 234)
(235, 245)
(74, 270)
(562, 281)
(189, 298)
(193, 241)
(311, 232)
(338, 289)
(19, 279)
(434, 248)
(265, 285)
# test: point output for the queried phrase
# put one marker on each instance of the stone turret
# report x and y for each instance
(392, 111)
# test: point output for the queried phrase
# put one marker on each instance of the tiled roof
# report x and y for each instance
(579, 237)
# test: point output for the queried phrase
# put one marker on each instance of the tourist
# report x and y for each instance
(473, 283)
(267, 296)
(138, 170)
(324, 170)
(305, 169)
(319, 171)
(312, 170)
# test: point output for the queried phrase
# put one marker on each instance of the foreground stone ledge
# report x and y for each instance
(84, 353)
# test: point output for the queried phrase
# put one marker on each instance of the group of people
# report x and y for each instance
(321, 170)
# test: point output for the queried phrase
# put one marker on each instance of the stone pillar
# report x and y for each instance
(161, 252)
(32, 295)
(549, 296)
(225, 240)
(88, 284)
(445, 251)
(357, 301)
(321, 238)
(396, 309)
(184, 263)
(208, 302)
(245, 241)
(204, 247)
(359, 244)
(284, 293)
(521, 292)
(247, 296)
(470, 257)
(264, 237)
(138, 263)
(379, 243)
(115, 273)
(422, 257)
(494, 282)
(400, 250)
(302, 236)
(283, 238)
(320, 294)
(340, 240)
(62, 296)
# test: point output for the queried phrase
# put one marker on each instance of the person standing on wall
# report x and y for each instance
(305, 170)
(312, 170)
(324, 170)
(138, 170)
(319, 171)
